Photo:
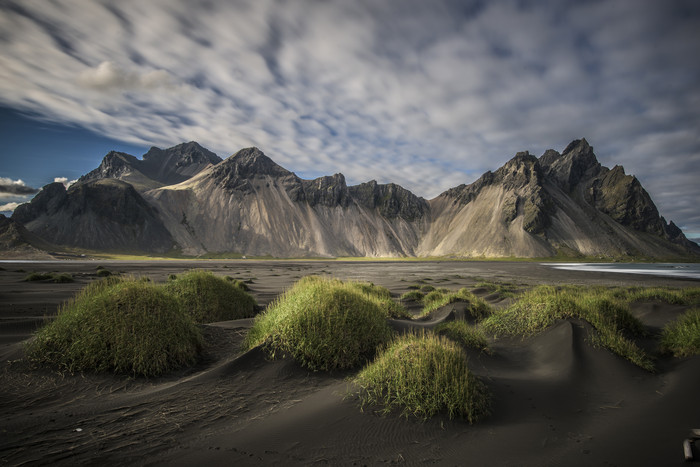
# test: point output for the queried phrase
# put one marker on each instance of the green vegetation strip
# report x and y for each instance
(422, 376)
(49, 276)
(325, 324)
(607, 310)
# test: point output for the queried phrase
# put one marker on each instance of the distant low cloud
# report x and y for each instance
(9, 207)
(12, 188)
(425, 94)
(64, 180)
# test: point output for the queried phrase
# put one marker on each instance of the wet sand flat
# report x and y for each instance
(557, 400)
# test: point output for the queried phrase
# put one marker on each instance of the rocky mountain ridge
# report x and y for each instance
(185, 198)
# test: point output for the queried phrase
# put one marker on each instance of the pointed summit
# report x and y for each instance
(573, 165)
(159, 166)
(252, 161)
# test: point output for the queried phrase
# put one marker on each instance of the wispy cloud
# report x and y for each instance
(425, 94)
(13, 188)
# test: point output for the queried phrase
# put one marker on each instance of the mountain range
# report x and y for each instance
(187, 200)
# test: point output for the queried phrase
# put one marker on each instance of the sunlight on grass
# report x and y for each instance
(422, 375)
(324, 324)
(607, 310)
(209, 298)
(126, 326)
(682, 337)
(476, 306)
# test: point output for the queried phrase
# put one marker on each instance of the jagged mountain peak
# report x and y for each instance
(522, 170)
(390, 199)
(576, 163)
(252, 161)
(191, 152)
(158, 167)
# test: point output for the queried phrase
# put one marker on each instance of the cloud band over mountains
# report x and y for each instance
(426, 94)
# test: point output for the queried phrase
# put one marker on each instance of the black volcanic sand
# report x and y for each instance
(556, 399)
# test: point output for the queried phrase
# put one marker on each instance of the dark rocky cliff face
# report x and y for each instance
(14, 236)
(624, 199)
(576, 163)
(327, 191)
(102, 214)
(390, 200)
(522, 178)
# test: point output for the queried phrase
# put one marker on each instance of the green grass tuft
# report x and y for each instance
(324, 324)
(685, 296)
(464, 334)
(125, 326)
(38, 276)
(413, 295)
(63, 278)
(476, 306)
(682, 337)
(422, 376)
(49, 276)
(209, 298)
(238, 283)
(502, 289)
(103, 272)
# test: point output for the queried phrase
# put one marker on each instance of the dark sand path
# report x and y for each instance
(556, 399)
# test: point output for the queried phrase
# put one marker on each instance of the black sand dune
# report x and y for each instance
(557, 400)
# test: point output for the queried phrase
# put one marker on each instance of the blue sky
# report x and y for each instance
(425, 94)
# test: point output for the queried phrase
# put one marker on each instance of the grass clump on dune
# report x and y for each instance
(477, 307)
(686, 296)
(413, 296)
(209, 298)
(423, 375)
(382, 297)
(324, 324)
(49, 276)
(682, 337)
(126, 326)
(540, 307)
(462, 333)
